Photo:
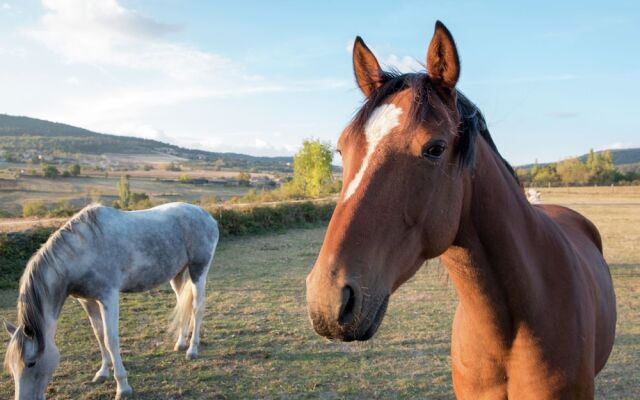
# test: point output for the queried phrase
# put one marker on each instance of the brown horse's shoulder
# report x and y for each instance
(572, 220)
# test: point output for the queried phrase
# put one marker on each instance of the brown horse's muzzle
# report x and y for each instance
(342, 309)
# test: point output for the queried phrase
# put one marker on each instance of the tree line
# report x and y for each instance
(598, 169)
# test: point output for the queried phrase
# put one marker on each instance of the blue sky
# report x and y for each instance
(257, 77)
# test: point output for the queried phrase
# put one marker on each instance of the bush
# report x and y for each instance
(49, 171)
(63, 208)
(75, 169)
(185, 178)
(34, 208)
(254, 220)
(15, 251)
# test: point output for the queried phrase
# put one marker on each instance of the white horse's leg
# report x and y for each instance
(176, 284)
(93, 311)
(110, 310)
(196, 316)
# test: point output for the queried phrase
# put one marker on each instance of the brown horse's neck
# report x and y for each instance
(487, 261)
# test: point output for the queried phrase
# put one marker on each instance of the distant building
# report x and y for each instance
(262, 182)
(199, 181)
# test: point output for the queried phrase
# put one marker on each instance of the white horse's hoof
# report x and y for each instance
(180, 347)
(192, 356)
(125, 394)
(98, 379)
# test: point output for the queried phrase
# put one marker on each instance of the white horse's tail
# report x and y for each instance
(181, 316)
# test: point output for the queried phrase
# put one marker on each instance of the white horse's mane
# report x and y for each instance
(33, 284)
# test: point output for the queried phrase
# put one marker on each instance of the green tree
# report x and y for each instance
(124, 192)
(573, 171)
(546, 175)
(75, 169)
(534, 170)
(49, 171)
(312, 167)
(602, 168)
(591, 160)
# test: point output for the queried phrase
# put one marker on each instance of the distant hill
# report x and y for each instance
(22, 136)
(622, 158)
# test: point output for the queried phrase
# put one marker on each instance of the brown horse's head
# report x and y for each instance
(402, 195)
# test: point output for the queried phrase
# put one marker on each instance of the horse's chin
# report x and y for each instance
(369, 326)
(376, 321)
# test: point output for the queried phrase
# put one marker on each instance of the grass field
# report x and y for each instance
(258, 343)
(83, 190)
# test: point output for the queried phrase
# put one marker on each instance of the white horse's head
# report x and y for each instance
(30, 367)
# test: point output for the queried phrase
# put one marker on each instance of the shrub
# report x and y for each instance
(75, 169)
(34, 208)
(185, 178)
(49, 171)
(254, 220)
(63, 208)
(15, 251)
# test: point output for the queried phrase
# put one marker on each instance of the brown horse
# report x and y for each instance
(422, 179)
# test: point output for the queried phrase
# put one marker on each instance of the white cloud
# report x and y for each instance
(6, 6)
(349, 46)
(617, 146)
(103, 33)
(130, 65)
(101, 65)
(256, 143)
(72, 80)
(402, 64)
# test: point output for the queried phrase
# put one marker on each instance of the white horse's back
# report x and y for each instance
(139, 250)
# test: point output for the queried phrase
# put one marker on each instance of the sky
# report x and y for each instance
(553, 79)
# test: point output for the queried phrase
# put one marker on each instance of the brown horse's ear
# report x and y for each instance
(11, 328)
(368, 73)
(442, 58)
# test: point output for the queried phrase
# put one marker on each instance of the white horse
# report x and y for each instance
(98, 253)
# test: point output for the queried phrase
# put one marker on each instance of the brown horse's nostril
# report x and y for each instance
(348, 305)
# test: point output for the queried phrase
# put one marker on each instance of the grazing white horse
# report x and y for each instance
(97, 254)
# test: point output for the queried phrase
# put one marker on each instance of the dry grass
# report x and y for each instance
(257, 341)
(82, 190)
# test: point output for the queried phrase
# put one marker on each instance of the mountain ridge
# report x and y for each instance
(22, 133)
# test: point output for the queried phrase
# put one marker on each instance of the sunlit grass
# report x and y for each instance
(258, 343)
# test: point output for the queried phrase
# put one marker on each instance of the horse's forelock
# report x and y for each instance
(471, 125)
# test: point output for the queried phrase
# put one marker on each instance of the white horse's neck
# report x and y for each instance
(50, 286)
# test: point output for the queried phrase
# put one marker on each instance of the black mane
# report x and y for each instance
(472, 122)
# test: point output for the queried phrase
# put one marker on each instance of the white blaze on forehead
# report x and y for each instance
(381, 122)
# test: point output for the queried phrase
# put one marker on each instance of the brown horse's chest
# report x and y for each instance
(485, 366)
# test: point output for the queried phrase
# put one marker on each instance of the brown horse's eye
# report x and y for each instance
(433, 151)
(30, 364)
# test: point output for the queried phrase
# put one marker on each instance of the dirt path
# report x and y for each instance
(22, 224)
